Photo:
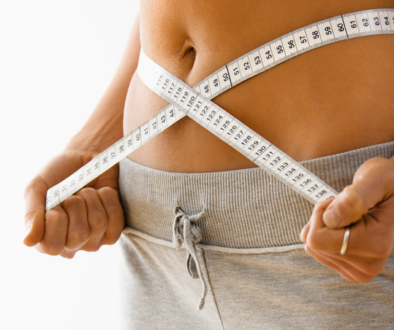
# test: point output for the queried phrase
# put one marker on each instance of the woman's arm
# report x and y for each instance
(105, 125)
(93, 216)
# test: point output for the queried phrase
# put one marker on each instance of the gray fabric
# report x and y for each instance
(158, 292)
(272, 214)
(186, 231)
(257, 273)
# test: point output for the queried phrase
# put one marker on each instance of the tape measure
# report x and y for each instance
(195, 103)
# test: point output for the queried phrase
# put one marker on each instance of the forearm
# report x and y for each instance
(105, 124)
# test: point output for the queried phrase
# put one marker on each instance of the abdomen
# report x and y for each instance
(330, 100)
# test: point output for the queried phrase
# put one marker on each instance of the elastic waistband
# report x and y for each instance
(241, 209)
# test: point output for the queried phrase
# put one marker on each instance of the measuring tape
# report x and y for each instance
(195, 103)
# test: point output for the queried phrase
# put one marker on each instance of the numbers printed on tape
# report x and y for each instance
(195, 102)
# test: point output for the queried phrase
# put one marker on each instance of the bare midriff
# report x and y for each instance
(330, 100)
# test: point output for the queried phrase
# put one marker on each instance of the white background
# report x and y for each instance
(56, 60)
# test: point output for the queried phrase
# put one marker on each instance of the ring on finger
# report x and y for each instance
(345, 240)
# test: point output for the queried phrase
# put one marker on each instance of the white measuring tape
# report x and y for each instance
(195, 103)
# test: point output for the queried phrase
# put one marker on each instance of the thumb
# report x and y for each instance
(35, 200)
(348, 207)
(372, 184)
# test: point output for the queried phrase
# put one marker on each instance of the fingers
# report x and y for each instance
(35, 199)
(367, 205)
(354, 268)
(83, 222)
(110, 199)
(369, 245)
(56, 224)
(96, 217)
(368, 237)
(66, 226)
(321, 238)
(343, 267)
(372, 184)
(104, 221)
(78, 228)
(304, 232)
(318, 210)
(326, 262)
(362, 268)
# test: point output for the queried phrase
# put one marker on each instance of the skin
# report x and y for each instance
(93, 217)
(369, 198)
(330, 100)
(322, 100)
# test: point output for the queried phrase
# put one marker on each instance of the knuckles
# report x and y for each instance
(84, 192)
(56, 217)
(88, 190)
(74, 202)
(319, 206)
(107, 191)
(313, 241)
(115, 213)
(77, 237)
(109, 194)
(97, 220)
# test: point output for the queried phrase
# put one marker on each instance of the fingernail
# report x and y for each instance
(332, 218)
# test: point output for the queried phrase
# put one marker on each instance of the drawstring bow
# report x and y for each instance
(186, 231)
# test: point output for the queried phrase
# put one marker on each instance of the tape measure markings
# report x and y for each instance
(351, 25)
(294, 43)
(233, 132)
(112, 155)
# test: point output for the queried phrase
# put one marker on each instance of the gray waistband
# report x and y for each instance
(242, 209)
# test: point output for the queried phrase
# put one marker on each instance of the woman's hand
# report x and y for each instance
(93, 216)
(368, 205)
(85, 221)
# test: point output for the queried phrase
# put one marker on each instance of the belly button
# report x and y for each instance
(190, 54)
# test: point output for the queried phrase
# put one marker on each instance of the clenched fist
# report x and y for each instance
(367, 205)
(85, 221)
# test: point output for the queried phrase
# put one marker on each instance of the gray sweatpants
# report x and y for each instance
(241, 256)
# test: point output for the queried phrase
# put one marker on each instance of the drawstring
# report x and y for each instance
(185, 230)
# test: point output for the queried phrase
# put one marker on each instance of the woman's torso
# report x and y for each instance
(330, 100)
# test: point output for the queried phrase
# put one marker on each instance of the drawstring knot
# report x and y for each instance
(186, 231)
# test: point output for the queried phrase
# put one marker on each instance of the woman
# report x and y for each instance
(335, 100)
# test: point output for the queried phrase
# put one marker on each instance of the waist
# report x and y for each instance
(329, 100)
(242, 208)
